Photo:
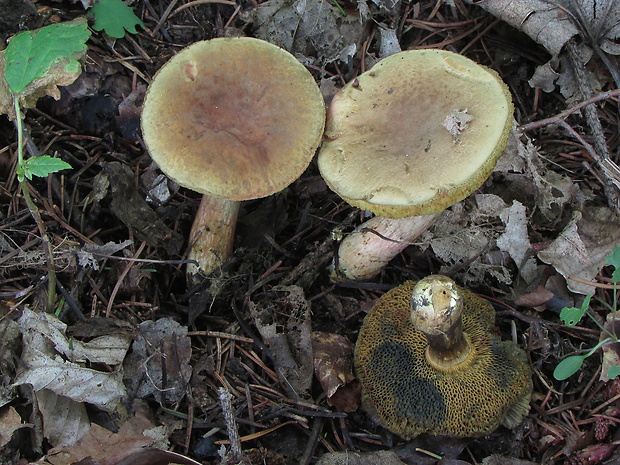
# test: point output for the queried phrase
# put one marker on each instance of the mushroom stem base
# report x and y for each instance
(212, 234)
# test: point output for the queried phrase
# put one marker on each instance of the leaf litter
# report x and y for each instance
(536, 236)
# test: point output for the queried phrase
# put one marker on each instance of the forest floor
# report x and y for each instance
(119, 230)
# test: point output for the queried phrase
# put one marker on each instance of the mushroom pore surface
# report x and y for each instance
(416, 133)
(489, 388)
(235, 118)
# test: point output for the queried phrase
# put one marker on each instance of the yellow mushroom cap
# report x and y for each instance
(403, 391)
(236, 118)
(417, 133)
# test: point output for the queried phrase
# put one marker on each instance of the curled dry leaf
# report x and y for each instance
(333, 366)
(545, 22)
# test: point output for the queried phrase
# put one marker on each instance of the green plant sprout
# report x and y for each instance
(571, 316)
(114, 18)
(35, 63)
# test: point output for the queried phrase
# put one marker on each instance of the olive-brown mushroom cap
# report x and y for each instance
(235, 118)
(417, 133)
(409, 397)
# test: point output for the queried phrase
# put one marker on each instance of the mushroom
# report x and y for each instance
(234, 119)
(428, 363)
(414, 135)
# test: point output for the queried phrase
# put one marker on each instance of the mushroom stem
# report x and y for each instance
(212, 234)
(448, 350)
(366, 251)
(436, 310)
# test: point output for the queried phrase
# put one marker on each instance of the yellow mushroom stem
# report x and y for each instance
(212, 234)
(368, 249)
(436, 310)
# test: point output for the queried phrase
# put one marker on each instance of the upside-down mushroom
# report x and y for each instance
(415, 134)
(429, 363)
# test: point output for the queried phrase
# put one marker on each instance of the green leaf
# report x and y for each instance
(571, 316)
(568, 367)
(613, 371)
(30, 54)
(614, 260)
(114, 17)
(43, 166)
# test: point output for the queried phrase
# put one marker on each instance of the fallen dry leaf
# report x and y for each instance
(354, 458)
(104, 447)
(580, 249)
(45, 345)
(159, 362)
(515, 240)
(64, 420)
(333, 366)
(10, 421)
(545, 22)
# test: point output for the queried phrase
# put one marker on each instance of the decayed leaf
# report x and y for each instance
(45, 367)
(64, 421)
(285, 326)
(354, 458)
(580, 249)
(10, 421)
(542, 20)
(103, 446)
(9, 354)
(159, 362)
(515, 240)
(333, 366)
(329, 35)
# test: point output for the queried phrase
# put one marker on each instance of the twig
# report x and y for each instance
(566, 113)
(225, 399)
(117, 286)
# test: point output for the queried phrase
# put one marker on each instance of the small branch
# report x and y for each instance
(225, 399)
(566, 113)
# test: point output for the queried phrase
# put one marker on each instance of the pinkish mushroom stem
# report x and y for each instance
(365, 252)
(212, 235)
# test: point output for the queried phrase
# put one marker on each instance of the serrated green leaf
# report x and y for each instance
(114, 17)
(614, 260)
(613, 371)
(43, 166)
(571, 316)
(568, 367)
(30, 54)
